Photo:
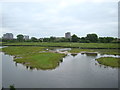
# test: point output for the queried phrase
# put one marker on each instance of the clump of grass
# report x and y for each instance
(109, 61)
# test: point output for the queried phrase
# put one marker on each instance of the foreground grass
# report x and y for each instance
(34, 57)
(109, 61)
(68, 44)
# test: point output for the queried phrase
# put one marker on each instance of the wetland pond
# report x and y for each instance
(75, 71)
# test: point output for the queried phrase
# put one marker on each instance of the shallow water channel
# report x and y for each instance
(80, 71)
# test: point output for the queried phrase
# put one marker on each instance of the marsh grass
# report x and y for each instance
(34, 57)
(70, 44)
(101, 51)
(31, 57)
(109, 61)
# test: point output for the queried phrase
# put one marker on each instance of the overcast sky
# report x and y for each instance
(45, 18)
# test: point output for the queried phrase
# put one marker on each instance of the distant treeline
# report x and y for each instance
(90, 38)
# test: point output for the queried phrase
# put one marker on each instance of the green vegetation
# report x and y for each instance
(74, 38)
(2, 43)
(109, 61)
(101, 51)
(34, 57)
(12, 87)
(38, 57)
(20, 37)
(90, 38)
(68, 44)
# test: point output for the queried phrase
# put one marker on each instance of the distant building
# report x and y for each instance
(8, 36)
(68, 35)
(26, 37)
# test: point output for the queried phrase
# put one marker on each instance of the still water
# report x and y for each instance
(78, 71)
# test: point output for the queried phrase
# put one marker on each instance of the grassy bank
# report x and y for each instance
(80, 45)
(101, 51)
(1, 43)
(109, 61)
(34, 57)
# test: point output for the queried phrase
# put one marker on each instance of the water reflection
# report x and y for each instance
(62, 49)
(16, 64)
(91, 54)
(73, 72)
(27, 67)
(74, 54)
(37, 68)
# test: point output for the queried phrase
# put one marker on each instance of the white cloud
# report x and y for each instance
(48, 16)
(71, 1)
(3, 30)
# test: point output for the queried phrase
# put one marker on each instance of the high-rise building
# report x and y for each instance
(68, 35)
(26, 37)
(8, 36)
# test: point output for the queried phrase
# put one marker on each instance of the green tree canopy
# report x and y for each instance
(92, 37)
(74, 38)
(33, 39)
(106, 39)
(52, 39)
(46, 40)
(20, 37)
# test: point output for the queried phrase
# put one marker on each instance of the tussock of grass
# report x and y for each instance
(109, 61)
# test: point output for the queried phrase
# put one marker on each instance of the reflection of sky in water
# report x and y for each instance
(105, 55)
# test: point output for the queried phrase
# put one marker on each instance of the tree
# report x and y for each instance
(74, 38)
(33, 39)
(106, 39)
(52, 39)
(92, 38)
(109, 39)
(20, 37)
(46, 39)
(83, 40)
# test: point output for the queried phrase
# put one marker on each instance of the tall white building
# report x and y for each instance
(26, 37)
(8, 36)
(68, 35)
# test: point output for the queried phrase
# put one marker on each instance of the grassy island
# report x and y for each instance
(35, 57)
(109, 61)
